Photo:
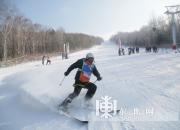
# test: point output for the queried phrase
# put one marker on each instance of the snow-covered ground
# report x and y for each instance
(29, 92)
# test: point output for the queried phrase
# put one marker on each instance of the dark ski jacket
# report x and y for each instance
(78, 64)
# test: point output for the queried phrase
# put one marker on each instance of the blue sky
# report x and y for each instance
(95, 17)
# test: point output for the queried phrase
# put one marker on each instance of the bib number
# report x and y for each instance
(86, 73)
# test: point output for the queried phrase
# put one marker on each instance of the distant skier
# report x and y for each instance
(133, 50)
(119, 51)
(123, 52)
(137, 49)
(154, 49)
(129, 51)
(85, 67)
(43, 59)
(48, 61)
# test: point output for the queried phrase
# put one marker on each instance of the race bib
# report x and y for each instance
(85, 73)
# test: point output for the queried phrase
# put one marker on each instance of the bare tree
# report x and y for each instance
(20, 37)
(6, 28)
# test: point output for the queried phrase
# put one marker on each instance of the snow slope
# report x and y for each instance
(29, 93)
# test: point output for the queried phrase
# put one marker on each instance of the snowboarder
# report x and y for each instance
(85, 67)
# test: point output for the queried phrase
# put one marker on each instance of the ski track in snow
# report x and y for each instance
(30, 92)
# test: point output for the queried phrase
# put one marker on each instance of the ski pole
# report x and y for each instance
(62, 81)
(95, 81)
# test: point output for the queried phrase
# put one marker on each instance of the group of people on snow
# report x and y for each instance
(131, 50)
(48, 61)
(151, 49)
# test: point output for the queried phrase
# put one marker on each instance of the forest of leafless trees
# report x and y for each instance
(157, 33)
(20, 37)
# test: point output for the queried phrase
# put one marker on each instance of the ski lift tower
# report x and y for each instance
(173, 10)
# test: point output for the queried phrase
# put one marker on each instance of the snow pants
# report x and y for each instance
(77, 89)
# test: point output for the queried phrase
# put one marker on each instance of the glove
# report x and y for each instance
(66, 73)
(99, 78)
